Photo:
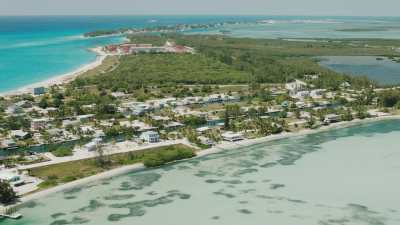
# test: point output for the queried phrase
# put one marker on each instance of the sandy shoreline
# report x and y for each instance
(61, 79)
(220, 147)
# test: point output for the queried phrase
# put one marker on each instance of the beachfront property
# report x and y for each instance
(160, 121)
(206, 141)
(332, 118)
(232, 136)
(39, 91)
(129, 49)
(150, 137)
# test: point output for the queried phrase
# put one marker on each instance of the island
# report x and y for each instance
(163, 97)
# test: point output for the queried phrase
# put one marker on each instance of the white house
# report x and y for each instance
(317, 93)
(91, 146)
(206, 141)
(331, 118)
(232, 136)
(295, 87)
(19, 134)
(8, 176)
(150, 136)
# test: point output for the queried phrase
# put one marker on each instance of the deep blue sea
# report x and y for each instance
(33, 49)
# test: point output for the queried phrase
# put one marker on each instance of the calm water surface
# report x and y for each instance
(384, 71)
(349, 176)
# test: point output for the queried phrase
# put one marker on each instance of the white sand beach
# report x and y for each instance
(220, 147)
(63, 78)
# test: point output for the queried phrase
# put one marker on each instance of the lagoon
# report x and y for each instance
(345, 176)
(380, 69)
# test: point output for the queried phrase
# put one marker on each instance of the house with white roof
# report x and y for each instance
(19, 134)
(150, 137)
(232, 136)
(295, 87)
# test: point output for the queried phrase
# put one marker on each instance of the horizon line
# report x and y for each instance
(194, 14)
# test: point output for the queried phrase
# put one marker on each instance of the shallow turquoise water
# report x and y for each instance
(33, 49)
(385, 72)
(348, 176)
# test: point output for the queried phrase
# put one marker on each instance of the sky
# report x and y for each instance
(213, 7)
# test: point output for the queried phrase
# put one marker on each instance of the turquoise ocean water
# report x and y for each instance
(338, 177)
(34, 49)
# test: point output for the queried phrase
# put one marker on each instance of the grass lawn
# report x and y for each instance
(54, 175)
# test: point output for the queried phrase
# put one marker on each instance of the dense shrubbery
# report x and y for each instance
(225, 61)
(7, 194)
(389, 98)
(135, 72)
(63, 151)
(170, 155)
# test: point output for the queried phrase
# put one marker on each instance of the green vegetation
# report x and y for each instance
(103, 33)
(135, 72)
(170, 155)
(223, 60)
(108, 64)
(389, 98)
(7, 194)
(63, 151)
(69, 171)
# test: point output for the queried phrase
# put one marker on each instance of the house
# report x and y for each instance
(301, 94)
(141, 126)
(345, 85)
(91, 146)
(118, 95)
(300, 105)
(8, 144)
(305, 115)
(202, 130)
(19, 134)
(173, 125)
(67, 122)
(206, 141)
(39, 91)
(85, 118)
(9, 177)
(295, 87)
(99, 133)
(163, 119)
(232, 136)
(311, 76)
(331, 118)
(87, 129)
(150, 137)
(317, 93)
(39, 124)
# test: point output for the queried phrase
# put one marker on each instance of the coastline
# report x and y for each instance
(218, 148)
(60, 79)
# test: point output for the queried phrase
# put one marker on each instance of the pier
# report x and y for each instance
(9, 213)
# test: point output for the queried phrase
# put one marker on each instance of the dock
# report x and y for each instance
(14, 216)
(9, 213)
